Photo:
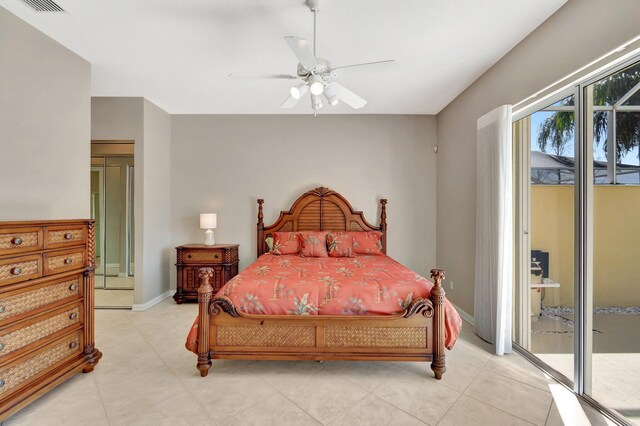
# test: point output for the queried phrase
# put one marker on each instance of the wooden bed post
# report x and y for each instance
(260, 234)
(205, 291)
(437, 298)
(383, 223)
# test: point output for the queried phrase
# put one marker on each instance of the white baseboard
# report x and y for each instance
(464, 315)
(144, 306)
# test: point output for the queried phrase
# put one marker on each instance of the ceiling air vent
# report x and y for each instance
(44, 5)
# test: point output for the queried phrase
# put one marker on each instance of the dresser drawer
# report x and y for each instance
(62, 261)
(19, 304)
(17, 269)
(24, 334)
(65, 236)
(19, 240)
(21, 372)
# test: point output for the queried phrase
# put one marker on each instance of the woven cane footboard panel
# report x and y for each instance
(273, 336)
(375, 337)
(27, 335)
(13, 376)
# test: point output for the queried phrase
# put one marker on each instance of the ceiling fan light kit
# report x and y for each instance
(317, 74)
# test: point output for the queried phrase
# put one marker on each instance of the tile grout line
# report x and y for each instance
(548, 412)
(498, 408)
(168, 367)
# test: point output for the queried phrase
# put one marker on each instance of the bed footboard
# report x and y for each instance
(417, 334)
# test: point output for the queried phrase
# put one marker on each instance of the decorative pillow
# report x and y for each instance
(269, 241)
(367, 242)
(340, 244)
(313, 244)
(285, 243)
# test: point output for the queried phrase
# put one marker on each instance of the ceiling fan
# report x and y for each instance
(317, 74)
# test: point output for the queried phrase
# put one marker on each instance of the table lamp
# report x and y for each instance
(208, 221)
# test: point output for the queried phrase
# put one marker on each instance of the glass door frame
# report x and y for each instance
(583, 231)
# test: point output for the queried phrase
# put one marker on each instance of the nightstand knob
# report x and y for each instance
(189, 256)
(68, 236)
(17, 241)
(1, 383)
(216, 256)
(73, 316)
(16, 271)
(73, 287)
(1, 346)
(68, 261)
(1, 309)
(73, 345)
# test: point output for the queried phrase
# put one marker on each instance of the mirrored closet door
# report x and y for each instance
(112, 201)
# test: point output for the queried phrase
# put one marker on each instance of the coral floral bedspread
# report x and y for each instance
(361, 285)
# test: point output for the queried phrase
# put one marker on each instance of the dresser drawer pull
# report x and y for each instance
(1, 346)
(189, 256)
(73, 345)
(1, 309)
(73, 287)
(68, 236)
(16, 271)
(68, 261)
(17, 241)
(216, 256)
(73, 316)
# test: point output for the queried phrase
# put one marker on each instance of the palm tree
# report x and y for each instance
(555, 131)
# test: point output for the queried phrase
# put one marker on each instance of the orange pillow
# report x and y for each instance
(285, 243)
(369, 242)
(313, 244)
(340, 244)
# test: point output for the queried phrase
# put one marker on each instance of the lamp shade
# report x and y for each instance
(208, 220)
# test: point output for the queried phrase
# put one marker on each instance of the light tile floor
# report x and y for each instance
(147, 377)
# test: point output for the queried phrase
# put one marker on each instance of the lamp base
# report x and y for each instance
(209, 239)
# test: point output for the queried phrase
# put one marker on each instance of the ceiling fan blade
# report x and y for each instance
(302, 49)
(290, 102)
(377, 66)
(347, 96)
(245, 76)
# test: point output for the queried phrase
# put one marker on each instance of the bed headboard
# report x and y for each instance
(320, 209)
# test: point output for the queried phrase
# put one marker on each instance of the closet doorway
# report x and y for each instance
(112, 207)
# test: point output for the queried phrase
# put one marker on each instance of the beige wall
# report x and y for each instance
(579, 32)
(140, 120)
(222, 164)
(45, 93)
(616, 235)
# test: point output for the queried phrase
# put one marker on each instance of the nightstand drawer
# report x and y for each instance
(32, 330)
(69, 260)
(18, 269)
(20, 240)
(64, 236)
(19, 304)
(204, 256)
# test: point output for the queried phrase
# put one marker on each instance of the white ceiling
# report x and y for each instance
(178, 53)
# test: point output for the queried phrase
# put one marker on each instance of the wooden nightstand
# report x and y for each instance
(223, 258)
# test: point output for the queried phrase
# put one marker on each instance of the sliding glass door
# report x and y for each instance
(577, 216)
(612, 117)
(545, 144)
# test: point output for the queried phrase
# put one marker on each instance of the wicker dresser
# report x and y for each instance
(46, 307)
